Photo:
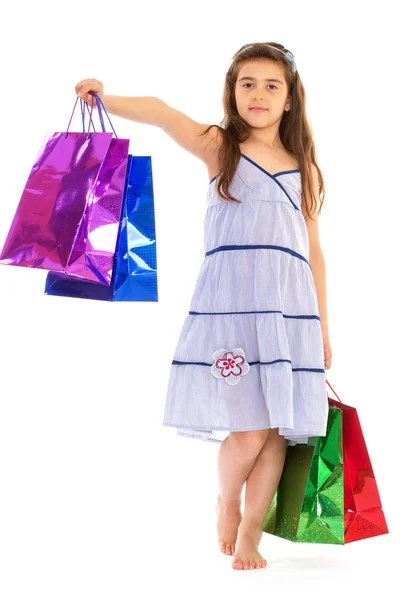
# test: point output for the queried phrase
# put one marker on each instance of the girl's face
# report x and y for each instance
(261, 82)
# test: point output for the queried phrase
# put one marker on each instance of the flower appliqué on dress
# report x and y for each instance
(229, 365)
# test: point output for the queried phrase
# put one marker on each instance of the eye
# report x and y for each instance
(271, 84)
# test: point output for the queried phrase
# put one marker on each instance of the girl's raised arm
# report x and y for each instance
(181, 128)
(153, 111)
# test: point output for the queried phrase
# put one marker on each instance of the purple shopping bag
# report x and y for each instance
(68, 216)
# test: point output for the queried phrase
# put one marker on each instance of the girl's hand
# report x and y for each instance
(89, 85)
(327, 353)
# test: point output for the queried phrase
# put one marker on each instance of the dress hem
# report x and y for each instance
(290, 432)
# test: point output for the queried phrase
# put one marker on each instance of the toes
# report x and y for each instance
(227, 548)
(247, 565)
(260, 564)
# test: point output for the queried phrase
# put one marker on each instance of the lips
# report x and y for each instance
(257, 108)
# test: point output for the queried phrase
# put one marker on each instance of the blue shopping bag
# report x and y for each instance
(134, 276)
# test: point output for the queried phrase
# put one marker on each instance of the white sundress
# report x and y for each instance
(250, 352)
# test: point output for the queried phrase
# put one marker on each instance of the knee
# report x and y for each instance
(249, 443)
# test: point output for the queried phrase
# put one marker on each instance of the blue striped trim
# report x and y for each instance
(256, 362)
(273, 179)
(285, 172)
(257, 312)
(275, 175)
(257, 247)
(263, 170)
(201, 364)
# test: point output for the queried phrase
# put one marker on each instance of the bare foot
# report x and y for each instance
(246, 555)
(228, 521)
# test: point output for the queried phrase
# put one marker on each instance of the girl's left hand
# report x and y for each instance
(327, 354)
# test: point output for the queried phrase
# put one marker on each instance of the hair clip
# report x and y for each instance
(287, 55)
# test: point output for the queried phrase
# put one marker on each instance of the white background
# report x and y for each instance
(97, 498)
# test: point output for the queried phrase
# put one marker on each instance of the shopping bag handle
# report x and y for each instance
(71, 118)
(334, 392)
(99, 107)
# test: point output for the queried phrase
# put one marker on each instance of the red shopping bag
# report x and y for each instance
(363, 512)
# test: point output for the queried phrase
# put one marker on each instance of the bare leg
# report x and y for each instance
(236, 458)
(261, 486)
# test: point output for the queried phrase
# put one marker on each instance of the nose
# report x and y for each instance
(258, 94)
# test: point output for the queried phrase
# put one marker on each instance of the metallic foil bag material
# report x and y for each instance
(328, 493)
(364, 516)
(68, 215)
(308, 505)
(135, 269)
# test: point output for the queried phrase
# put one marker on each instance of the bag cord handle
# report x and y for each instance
(84, 104)
(334, 392)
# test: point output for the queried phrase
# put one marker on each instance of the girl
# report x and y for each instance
(249, 367)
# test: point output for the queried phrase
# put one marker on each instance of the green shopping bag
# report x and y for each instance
(309, 503)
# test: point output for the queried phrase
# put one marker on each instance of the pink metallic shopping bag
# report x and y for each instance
(68, 216)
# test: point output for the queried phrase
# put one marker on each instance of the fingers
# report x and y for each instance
(86, 87)
(83, 87)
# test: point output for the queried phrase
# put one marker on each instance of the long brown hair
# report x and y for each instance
(294, 129)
